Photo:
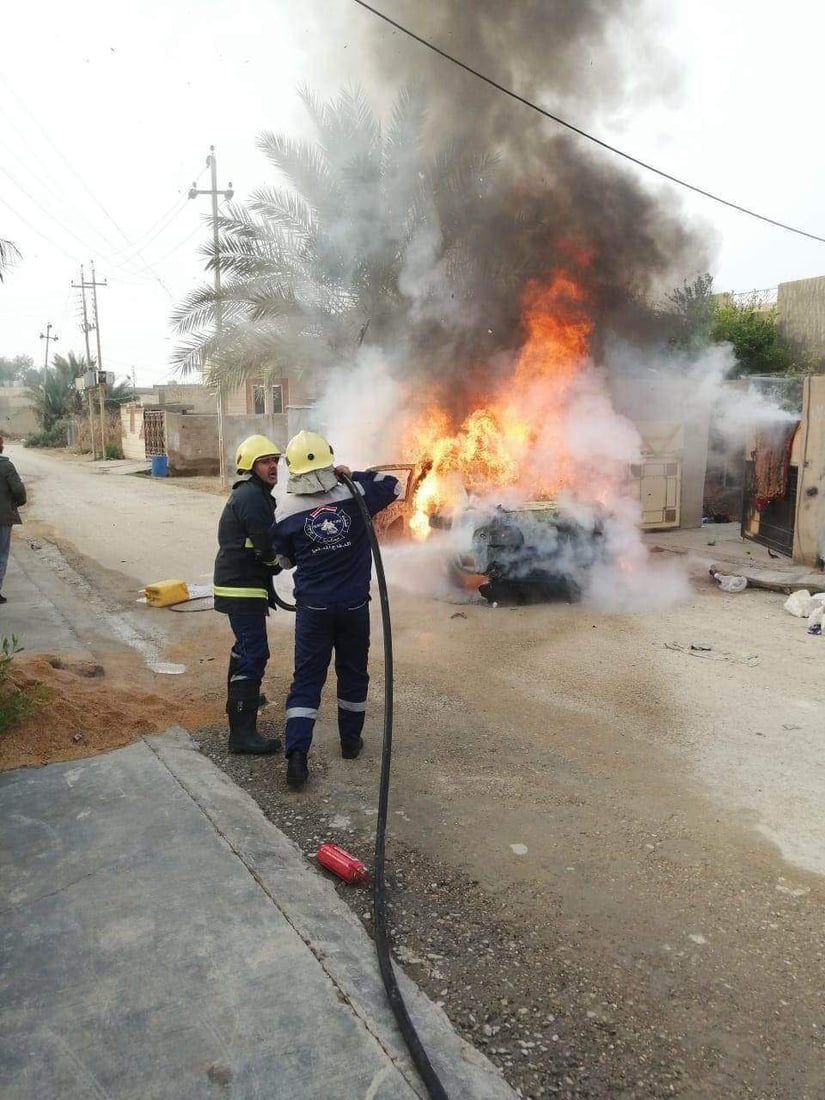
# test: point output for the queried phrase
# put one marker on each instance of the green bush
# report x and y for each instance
(113, 451)
(54, 437)
(14, 703)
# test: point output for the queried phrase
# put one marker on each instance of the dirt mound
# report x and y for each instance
(80, 711)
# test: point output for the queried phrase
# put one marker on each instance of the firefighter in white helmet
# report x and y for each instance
(320, 531)
(244, 568)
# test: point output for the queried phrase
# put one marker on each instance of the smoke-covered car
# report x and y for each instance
(524, 553)
(531, 552)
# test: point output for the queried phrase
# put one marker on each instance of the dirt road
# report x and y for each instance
(610, 845)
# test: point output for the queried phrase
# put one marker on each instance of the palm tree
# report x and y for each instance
(313, 269)
(55, 397)
(9, 253)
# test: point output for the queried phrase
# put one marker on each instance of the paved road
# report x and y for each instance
(161, 939)
(638, 821)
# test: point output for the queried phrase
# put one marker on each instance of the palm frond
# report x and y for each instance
(9, 254)
(303, 165)
(284, 209)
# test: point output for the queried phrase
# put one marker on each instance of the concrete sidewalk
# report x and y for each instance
(720, 546)
(31, 613)
(162, 939)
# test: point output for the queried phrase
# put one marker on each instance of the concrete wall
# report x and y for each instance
(809, 453)
(237, 428)
(800, 308)
(131, 431)
(194, 395)
(16, 414)
(192, 443)
(668, 401)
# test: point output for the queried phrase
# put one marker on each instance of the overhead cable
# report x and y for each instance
(583, 133)
(85, 185)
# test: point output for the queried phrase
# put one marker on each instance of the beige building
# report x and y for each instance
(800, 311)
(181, 422)
(671, 473)
(16, 414)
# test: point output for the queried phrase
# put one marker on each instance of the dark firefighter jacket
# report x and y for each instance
(12, 493)
(246, 562)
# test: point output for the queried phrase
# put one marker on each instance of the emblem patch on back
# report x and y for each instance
(327, 524)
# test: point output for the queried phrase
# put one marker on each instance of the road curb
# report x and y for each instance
(327, 925)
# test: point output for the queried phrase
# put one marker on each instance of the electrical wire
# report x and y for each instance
(583, 133)
(83, 183)
(382, 945)
(27, 192)
(34, 229)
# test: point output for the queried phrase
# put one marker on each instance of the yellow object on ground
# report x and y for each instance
(164, 593)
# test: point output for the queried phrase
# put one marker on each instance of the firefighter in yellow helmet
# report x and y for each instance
(320, 531)
(244, 568)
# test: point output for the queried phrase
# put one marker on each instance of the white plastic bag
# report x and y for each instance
(731, 584)
(799, 603)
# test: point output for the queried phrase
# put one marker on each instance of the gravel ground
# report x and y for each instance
(532, 1004)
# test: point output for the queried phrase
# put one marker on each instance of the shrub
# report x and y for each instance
(55, 437)
(14, 703)
(113, 450)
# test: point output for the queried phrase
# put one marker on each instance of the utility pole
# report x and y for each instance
(81, 286)
(47, 336)
(213, 191)
(87, 327)
(101, 389)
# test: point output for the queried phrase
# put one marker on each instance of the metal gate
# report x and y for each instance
(773, 526)
(154, 432)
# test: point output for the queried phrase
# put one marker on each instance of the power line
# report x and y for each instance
(85, 185)
(583, 133)
(124, 263)
(34, 228)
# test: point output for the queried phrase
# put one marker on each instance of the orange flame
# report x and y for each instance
(493, 446)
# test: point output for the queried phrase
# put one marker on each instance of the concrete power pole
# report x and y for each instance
(101, 389)
(81, 286)
(213, 191)
(47, 336)
(87, 327)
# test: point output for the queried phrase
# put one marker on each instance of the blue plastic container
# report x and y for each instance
(160, 466)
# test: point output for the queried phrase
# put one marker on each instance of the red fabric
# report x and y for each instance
(772, 461)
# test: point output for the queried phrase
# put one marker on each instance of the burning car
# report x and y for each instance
(515, 553)
(531, 552)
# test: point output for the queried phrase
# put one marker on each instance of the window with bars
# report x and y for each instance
(264, 398)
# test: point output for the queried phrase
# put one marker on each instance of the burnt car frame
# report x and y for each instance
(522, 553)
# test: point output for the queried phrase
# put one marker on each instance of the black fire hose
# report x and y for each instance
(282, 603)
(382, 945)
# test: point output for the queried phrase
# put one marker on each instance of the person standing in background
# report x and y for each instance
(12, 497)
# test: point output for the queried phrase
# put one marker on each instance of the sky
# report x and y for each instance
(109, 111)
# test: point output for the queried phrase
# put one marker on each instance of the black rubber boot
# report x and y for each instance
(297, 772)
(232, 670)
(351, 748)
(242, 708)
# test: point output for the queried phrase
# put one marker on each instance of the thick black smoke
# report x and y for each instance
(553, 199)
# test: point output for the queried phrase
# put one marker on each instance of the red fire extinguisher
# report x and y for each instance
(341, 863)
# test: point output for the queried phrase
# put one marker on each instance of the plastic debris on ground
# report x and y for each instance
(730, 583)
(803, 604)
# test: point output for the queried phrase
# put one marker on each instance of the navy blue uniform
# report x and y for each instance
(323, 536)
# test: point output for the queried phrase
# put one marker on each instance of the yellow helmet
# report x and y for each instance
(308, 451)
(253, 448)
